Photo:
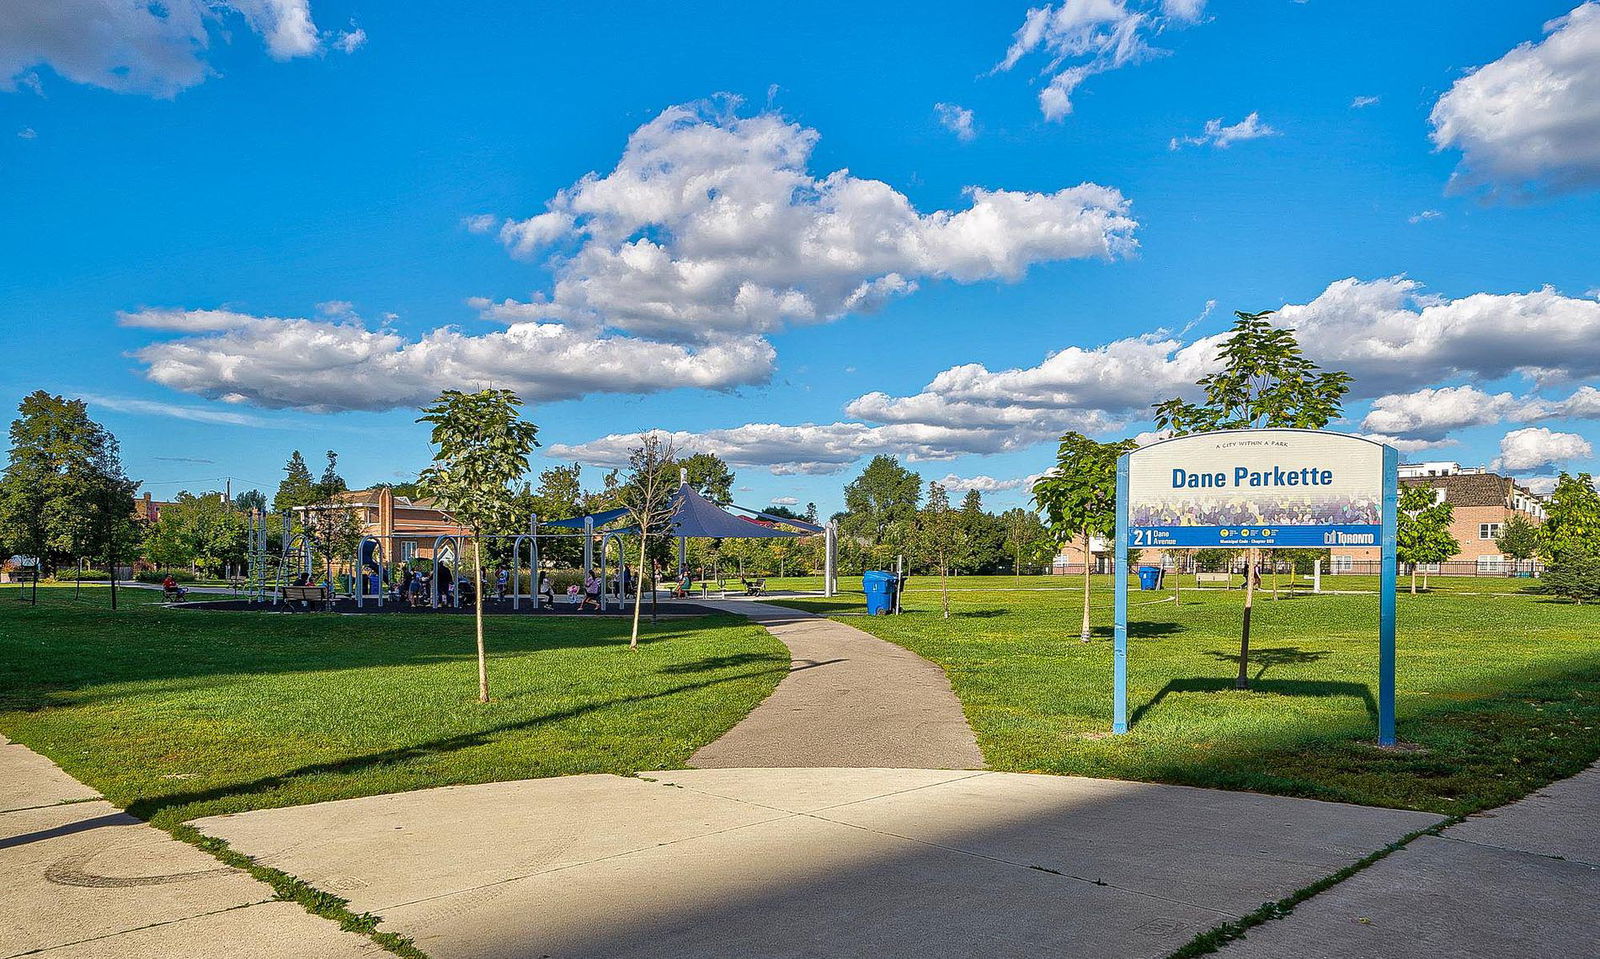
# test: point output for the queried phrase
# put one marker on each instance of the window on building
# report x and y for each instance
(408, 552)
(1491, 564)
(1342, 564)
(1488, 530)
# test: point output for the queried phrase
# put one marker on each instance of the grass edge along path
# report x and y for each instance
(1215, 938)
(287, 888)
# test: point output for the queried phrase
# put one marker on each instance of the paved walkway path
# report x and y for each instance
(806, 863)
(1518, 882)
(850, 699)
(81, 879)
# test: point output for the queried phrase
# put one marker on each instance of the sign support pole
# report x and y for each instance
(1386, 590)
(1119, 652)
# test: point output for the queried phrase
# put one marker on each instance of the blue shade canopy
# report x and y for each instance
(600, 519)
(696, 517)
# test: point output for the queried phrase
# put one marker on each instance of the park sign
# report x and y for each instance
(1264, 488)
(1270, 489)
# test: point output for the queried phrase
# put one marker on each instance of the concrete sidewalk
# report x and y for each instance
(880, 863)
(850, 699)
(1518, 882)
(82, 879)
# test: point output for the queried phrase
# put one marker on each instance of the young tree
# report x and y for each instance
(1422, 533)
(1025, 537)
(331, 484)
(1266, 381)
(1519, 540)
(297, 488)
(1571, 518)
(63, 493)
(941, 538)
(483, 446)
(1079, 498)
(652, 481)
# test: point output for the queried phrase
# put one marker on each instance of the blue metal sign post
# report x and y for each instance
(1269, 488)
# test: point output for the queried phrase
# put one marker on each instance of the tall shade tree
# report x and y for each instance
(1518, 540)
(203, 532)
(1079, 498)
(880, 508)
(647, 496)
(1422, 530)
(297, 488)
(1265, 382)
(709, 476)
(482, 448)
(63, 493)
(1571, 518)
(942, 539)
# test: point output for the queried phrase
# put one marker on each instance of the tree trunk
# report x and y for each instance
(633, 641)
(1243, 679)
(477, 614)
(1413, 579)
(1083, 636)
(944, 587)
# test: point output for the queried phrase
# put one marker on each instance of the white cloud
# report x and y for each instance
(1431, 413)
(784, 501)
(131, 46)
(1424, 216)
(987, 484)
(349, 41)
(340, 364)
(1530, 119)
(1534, 447)
(1222, 137)
(1392, 337)
(957, 119)
(480, 222)
(196, 414)
(1086, 37)
(1361, 102)
(27, 133)
(710, 224)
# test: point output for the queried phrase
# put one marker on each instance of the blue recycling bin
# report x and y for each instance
(1149, 578)
(880, 589)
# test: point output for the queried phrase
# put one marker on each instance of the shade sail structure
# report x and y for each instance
(695, 517)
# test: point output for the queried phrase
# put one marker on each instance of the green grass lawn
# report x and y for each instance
(1498, 693)
(183, 713)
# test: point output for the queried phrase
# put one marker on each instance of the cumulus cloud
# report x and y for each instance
(349, 41)
(131, 46)
(1535, 447)
(1082, 38)
(784, 501)
(1222, 137)
(711, 223)
(327, 365)
(1530, 120)
(809, 448)
(957, 119)
(987, 484)
(1393, 337)
(1424, 216)
(1429, 414)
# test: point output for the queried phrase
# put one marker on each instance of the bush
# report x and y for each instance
(87, 576)
(1573, 574)
(160, 575)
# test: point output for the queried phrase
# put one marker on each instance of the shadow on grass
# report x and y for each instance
(1139, 630)
(712, 663)
(1277, 687)
(148, 808)
(1270, 656)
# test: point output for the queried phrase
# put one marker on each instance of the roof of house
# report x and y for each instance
(1468, 489)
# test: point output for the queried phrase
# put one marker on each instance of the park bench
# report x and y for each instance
(237, 583)
(306, 594)
(173, 594)
(755, 587)
(1210, 580)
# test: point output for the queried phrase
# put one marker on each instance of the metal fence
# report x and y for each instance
(1343, 566)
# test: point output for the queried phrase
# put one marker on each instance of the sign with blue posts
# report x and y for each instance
(1269, 488)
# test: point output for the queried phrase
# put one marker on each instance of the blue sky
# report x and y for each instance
(239, 233)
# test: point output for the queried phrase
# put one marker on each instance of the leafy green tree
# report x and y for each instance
(1026, 540)
(482, 447)
(63, 494)
(201, 532)
(985, 537)
(252, 500)
(297, 487)
(1573, 573)
(941, 539)
(1079, 498)
(1266, 381)
(709, 476)
(1571, 518)
(880, 509)
(1422, 533)
(1518, 539)
(331, 484)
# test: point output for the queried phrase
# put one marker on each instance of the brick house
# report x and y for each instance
(1482, 503)
(407, 528)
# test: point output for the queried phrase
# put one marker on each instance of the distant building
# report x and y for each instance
(407, 528)
(147, 510)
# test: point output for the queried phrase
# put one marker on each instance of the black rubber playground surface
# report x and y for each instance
(494, 608)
